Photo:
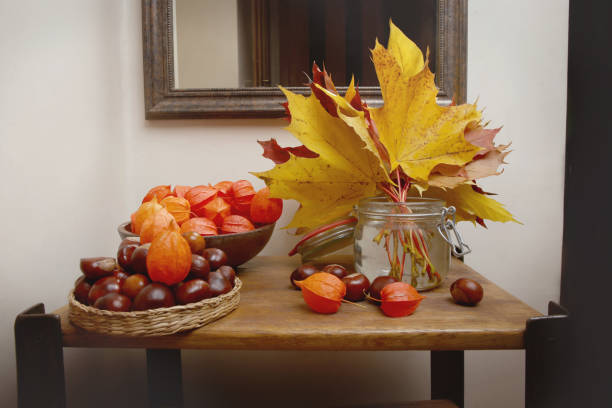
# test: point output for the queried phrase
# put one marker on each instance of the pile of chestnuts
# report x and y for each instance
(122, 284)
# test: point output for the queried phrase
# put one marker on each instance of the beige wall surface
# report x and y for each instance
(76, 155)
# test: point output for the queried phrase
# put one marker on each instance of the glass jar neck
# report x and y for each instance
(412, 209)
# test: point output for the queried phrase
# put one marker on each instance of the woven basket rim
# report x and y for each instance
(162, 310)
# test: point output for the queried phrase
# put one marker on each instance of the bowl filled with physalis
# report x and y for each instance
(174, 271)
(231, 216)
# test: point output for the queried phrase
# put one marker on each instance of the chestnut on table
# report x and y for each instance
(273, 316)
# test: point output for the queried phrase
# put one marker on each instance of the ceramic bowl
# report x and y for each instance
(239, 247)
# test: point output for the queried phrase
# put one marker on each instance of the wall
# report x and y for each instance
(76, 156)
(62, 152)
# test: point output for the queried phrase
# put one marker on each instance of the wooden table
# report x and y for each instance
(273, 316)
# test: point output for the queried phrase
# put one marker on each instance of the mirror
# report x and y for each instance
(212, 58)
(271, 42)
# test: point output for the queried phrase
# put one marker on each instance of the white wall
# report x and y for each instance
(76, 155)
(517, 66)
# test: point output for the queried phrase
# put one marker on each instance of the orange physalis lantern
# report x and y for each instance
(243, 193)
(198, 197)
(265, 210)
(322, 292)
(162, 220)
(159, 192)
(169, 258)
(180, 191)
(178, 207)
(236, 223)
(144, 211)
(224, 188)
(399, 299)
(216, 210)
(201, 225)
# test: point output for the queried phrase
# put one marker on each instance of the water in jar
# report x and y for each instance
(373, 259)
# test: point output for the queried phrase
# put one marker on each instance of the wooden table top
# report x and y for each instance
(273, 316)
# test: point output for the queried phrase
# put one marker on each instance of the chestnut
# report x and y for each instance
(302, 272)
(114, 302)
(379, 283)
(139, 259)
(218, 284)
(82, 286)
(196, 242)
(228, 273)
(129, 241)
(216, 257)
(120, 274)
(466, 292)
(200, 267)
(337, 270)
(357, 284)
(96, 268)
(124, 256)
(192, 291)
(102, 287)
(133, 284)
(153, 296)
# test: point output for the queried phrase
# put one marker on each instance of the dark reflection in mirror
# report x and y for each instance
(277, 40)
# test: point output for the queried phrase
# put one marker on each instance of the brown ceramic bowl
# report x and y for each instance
(239, 247)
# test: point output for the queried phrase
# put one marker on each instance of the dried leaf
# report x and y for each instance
(407, 54)
(323, 80)
(417, 132)
(362, 124)
(471, 205)
(278, 154)
(445, 176)
(327, 186)
(482, 137)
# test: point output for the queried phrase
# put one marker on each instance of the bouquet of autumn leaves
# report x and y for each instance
(410, 146)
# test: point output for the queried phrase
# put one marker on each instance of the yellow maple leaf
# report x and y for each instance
(356, 120)
(406, 53)
(327, 186)
(417, 132)
(471, 204)
(351, 91)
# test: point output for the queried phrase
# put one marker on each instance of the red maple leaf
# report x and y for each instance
(278, 154)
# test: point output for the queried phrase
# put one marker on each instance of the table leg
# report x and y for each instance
(447, 376)
(40, 359)
(545, 362)
(164, 378)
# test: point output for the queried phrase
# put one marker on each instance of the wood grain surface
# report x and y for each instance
(273, 316)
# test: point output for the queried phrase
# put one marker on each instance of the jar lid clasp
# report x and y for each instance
(445, 227)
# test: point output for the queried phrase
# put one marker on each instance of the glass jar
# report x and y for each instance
(408, 240)
(324, 245)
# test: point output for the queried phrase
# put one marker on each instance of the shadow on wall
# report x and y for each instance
(251, 378)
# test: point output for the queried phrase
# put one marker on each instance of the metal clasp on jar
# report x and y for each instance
(459, 247)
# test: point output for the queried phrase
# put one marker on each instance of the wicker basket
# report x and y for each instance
(154, 322)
